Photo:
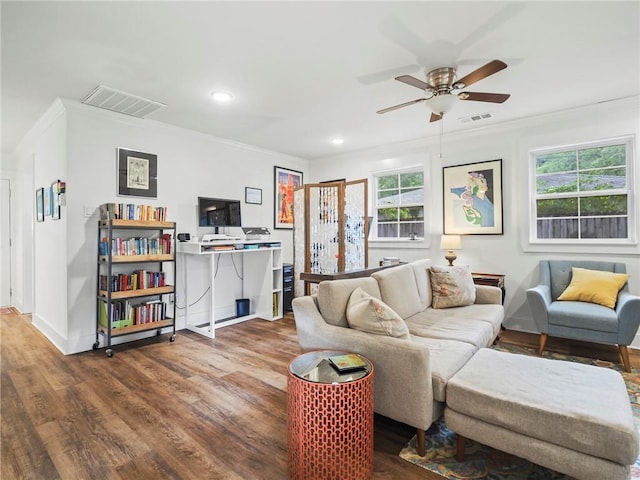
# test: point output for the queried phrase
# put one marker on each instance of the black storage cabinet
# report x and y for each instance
(287, 286)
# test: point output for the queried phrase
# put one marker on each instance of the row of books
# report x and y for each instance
(137, 246)
(129, 211)
(125, 314)
(140, 279)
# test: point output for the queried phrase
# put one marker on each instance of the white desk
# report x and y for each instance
(250, 269)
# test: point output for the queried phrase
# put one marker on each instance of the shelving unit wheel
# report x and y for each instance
(96, 345)
(109, 353)
(172, 338)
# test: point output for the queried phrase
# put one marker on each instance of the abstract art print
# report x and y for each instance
(285, 182)
(472, 198)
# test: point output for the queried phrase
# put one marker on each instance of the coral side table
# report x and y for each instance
(330, 419)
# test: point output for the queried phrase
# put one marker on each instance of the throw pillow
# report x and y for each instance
(368, 314)
(451, 286)
(594, 286)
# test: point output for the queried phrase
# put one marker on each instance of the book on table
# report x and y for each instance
(348, 362)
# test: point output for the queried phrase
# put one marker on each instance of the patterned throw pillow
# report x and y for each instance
(368, 314)
(451, 286)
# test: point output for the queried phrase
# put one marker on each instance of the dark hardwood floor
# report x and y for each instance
(193, 409)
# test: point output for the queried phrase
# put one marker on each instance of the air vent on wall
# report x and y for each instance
(121, 102)
(476, 118)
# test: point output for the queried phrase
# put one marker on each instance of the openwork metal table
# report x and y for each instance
(330, 419)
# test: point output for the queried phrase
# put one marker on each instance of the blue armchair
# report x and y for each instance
(581, 320)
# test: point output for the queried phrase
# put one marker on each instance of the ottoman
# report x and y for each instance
(572, 418)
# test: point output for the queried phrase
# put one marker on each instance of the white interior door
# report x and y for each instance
(5, 243)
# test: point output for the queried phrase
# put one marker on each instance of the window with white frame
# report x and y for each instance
(583, 192)
(399, 204)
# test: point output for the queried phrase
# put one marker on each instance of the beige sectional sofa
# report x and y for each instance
(411, 374)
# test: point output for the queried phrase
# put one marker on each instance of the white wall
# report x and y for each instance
(509, 253)
(80, 149)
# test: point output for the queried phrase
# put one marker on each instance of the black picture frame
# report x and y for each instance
(285, 181)
(137, 174)
(253, 195)
(472, 199)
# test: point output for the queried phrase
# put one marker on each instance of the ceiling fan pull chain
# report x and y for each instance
(441, 132)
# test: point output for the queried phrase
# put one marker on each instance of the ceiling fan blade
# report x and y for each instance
(395, 107)
(482, 72)
(413, 81)
(435, 117)
(484, 97)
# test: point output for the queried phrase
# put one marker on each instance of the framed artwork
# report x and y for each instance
(253, 195)
(137, 174)
(40, 204)
(47, 201)
(55, 201)
(472, 198)
(285, 182)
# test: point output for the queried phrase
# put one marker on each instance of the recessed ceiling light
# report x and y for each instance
(337, 141)
(221, 96)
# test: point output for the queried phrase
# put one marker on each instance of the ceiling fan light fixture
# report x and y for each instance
(440, 104)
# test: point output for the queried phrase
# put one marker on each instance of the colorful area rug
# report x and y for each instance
(482, 462)
(6, 311)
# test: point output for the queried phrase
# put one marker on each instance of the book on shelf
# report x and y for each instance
(138, 280)
(348, 362)
(129, 211)
(125, 314)
(136, 246)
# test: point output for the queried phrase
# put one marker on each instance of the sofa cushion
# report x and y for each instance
(451, 286)
(423, 282)
(589, 316)
(372, 315)
(476, 324)
(398, 289)
(446, 357)
(333, 296)
(594, 286)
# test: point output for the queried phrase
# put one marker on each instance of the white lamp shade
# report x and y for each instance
(451, 242)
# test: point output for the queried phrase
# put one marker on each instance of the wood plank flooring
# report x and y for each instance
(193, 409)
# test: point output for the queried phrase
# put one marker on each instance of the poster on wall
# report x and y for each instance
(40, 204)
(137, 174)
(472, 198)
(285, 182)
(47, 201)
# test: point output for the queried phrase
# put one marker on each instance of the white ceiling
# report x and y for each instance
(304, 72)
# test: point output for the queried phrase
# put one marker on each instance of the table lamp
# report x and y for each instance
(450, 243)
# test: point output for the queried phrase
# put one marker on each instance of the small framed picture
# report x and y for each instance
(47, 201)
(253, 195)
(40, 204)
(137, 174)
(55, 201)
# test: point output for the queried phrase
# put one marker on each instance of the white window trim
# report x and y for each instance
(632, 225)
(382, 242)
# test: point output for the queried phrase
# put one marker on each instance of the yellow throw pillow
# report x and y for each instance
(594, 286)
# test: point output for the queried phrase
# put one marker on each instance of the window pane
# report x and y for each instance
(414, 179)
(606, 227)
(556, 162)
(412, 195)
(604, 179)
(388, 197)
(411, 214)
(610, 156)
(605, 205)
(558, 228)
(387, 214)
(557, 207)
(557, 183)
(388, 230)
(387, 181)
(406, 229)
